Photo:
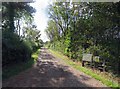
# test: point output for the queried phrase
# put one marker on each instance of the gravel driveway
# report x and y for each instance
(51, 72)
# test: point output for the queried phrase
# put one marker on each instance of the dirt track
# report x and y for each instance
(51, 72)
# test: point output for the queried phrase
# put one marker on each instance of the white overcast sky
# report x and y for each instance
(41, 17)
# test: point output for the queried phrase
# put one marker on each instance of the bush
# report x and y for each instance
(31, 45)
(80, 53)
(14, 50)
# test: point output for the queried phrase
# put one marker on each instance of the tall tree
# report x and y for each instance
(87, 27)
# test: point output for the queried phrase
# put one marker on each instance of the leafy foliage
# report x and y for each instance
(17, 47)
(86, 28)
(16, 51)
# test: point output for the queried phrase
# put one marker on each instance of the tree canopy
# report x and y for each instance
(20, 37)
(86, 27)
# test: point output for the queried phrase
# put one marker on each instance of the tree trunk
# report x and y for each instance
(11, 16)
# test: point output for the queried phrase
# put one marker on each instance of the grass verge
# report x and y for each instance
(87, 71)
(19, 67)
